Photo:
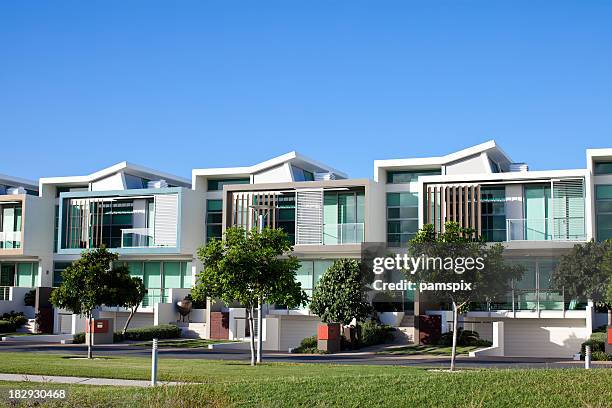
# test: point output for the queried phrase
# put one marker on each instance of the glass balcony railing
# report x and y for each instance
(10, 239)
(546, 229)
(531, 300)
(153, 296)
(338, 234)
(137, 238)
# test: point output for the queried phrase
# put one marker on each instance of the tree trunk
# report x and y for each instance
(610, 316)
(252, 336)
(454, 348)
(129, 319)
(90, 336)
(260, 331)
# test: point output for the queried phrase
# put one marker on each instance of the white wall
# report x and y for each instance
(114, 182)
(472, 165)
(278, 174)
(544, 337)
(192, 221)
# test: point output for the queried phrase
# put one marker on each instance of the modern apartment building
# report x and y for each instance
(152, 220)
(156, 222)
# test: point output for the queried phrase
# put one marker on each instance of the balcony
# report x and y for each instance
(10, 239)
(5, 293)
(339, 234)
(546, 229)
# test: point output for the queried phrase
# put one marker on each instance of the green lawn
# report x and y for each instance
(432, 350)
(227, 383)
(183, 343)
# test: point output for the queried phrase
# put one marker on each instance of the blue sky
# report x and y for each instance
(178, 85)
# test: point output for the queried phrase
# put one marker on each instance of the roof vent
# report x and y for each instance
(519, 167)
(15, 190)
(157, 184)
(324, 176)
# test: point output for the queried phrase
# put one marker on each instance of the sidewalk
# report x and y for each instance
(81, 380)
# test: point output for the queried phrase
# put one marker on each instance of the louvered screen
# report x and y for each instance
(166, 220)
(568, 209)
(309, 217)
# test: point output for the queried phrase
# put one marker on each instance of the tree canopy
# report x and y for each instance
(341, 294)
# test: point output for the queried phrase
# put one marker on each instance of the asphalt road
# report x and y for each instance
(370, 357)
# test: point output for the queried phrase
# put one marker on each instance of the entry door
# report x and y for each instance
(7, 275)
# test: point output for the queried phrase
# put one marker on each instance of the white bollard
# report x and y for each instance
(154, 364)
(587, 357)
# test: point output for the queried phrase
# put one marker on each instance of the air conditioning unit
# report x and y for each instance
(324, 176)
(157, 184)
(15, 190)
(520, 167)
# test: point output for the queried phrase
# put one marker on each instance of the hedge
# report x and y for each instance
(164, 331)
(6, 326)
(598, 347)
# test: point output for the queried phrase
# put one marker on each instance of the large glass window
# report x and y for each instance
(493, 215)
(159, 276)
(310, 272)
(217, 185)
(402, 177)
(27, 274)
(402, 218)
(343, 217)
(10, 225)
(603, 208)
(58, 268)
(286, 215)
(214, 219)
(603, 168)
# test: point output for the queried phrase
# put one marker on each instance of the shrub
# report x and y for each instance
(308, 346)
(464, 338)
(597, 343)
(601, 356)
(164, 331)
(372, 333)
(17, 319)
(6, 326)
(601, 329)
(29, 299)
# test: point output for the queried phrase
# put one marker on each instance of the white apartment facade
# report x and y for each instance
(156, 222)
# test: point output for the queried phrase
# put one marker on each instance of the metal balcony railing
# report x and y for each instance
(546, 229)
(10, 239)
(350, 233)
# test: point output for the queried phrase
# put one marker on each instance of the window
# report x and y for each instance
(402, 218)
(310, 272)
(603, 209)
(343, 217)
(159, 276)
(402, 177)
(214, 219)
(493, 216)
(301, 174)
(286, 215)
(58, 268)
(217, 185)
(603, 168)
(10, 224)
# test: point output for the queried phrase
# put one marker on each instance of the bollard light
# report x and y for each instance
(587, 357)
(154, 363)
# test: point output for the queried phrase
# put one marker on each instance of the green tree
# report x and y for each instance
(341, 294)
(88, 283)
(130, 295)
(251, 268)
(586, 272)
(489, 282)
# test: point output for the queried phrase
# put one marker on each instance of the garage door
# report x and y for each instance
(543, 337)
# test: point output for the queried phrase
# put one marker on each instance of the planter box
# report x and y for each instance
(391, 318)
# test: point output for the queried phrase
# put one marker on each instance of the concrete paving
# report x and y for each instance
(54, 379)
